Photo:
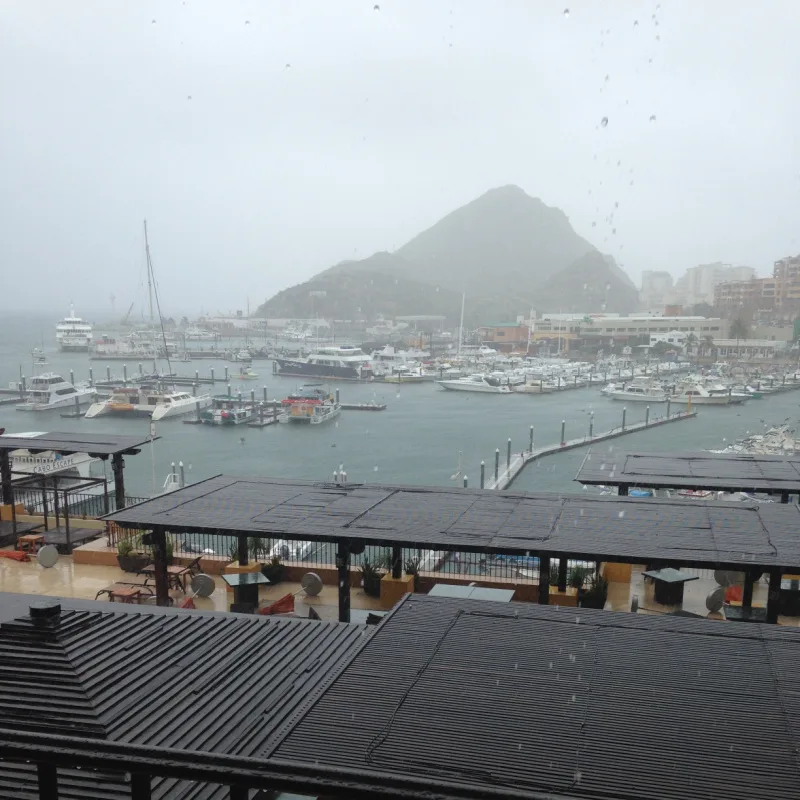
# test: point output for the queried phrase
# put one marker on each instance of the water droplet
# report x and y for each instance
(519, 747)
(606, 77)
(658, 38)
(614, 231)
(604, 121)
(551, 665)
(594, 224)
(577, 620)
(730, 749)
(376, 8)
(573, 698)
(375, 468)
(566, 12)
(247, 22)
(498, 681)
(398, 395)
(636, 23)
(577, 777)
(288, 66)
(153, 22)
(572, 657)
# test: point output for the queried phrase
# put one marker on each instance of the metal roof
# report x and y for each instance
(614, 529)
(217, 683)
(99, 445)
(700, 470)
(527, 700)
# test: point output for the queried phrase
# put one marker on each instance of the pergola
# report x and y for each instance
(669, 532)
(97, 445)
(726, 472)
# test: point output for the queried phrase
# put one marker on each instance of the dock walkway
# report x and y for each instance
(508, 473)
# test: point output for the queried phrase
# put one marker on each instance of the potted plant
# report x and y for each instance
(411, 567)
(129, 557)
(274, 570)
(372, 572)
(577, 578)
(596, 594)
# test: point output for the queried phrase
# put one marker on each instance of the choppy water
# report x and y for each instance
(417, 440)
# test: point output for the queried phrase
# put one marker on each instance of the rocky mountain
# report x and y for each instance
(509, 252)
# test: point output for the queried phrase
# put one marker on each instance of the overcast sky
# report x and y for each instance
(253, 174)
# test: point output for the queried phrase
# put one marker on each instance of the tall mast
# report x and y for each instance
(461, 324)
(149, 271)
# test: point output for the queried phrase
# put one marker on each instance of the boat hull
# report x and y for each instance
(454, 386)
(300, 369)
(637, 398)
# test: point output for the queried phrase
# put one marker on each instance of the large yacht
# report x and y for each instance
(148, 402)
(48, 390)
(639, 390)
(698, 395)
(73, 333)
(477, 383)
(334, 363)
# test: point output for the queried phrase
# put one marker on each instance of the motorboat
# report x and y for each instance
(247, 374)
(476, 383)
(639, 391)
(718, 390)
(333, 363)
(695, 394)
(407, 375)
(73, 334)
(310, 405)
(48, 390)
(227, 409)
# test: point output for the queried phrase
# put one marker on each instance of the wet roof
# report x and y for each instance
(701, 470)
(221, 683)
(523, 701)
(68, 442)
(615, 529)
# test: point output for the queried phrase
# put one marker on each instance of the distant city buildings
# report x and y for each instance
(657, 289)
(780, 292)
(699, 283)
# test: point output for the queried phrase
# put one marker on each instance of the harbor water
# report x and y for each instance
(425, 436)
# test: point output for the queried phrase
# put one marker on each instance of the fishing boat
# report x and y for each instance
(38, 357)
(639, 391)
(48, 391)
(178, 404)
(227, 409)
(698, 395)
(311, 405)
(476, 383)
(247, 374)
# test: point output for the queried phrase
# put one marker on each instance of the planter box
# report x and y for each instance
(133, 563)
(392, 589)
(372, 585)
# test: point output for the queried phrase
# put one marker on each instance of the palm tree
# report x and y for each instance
(708, 343)
(739, 329)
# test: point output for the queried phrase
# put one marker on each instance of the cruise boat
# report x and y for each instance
(476, 383)
(698, 395)
(48, 390)
(333, 363)
(146, 401)
(227, 409)
(310, 405)
(639, 391)
(73, 334)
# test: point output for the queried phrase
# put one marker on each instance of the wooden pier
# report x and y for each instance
(507, 472)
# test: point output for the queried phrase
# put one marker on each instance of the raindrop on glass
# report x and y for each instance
(606, 77)
(658, 38)
(577, 777)
(636, 23)
(577, 620)
(594, 224)
(376, 8)
(572, 657)
(288, 66)
(247, 22)
(566, 12)
(613, 230)
(375, 468)
(153, 22)
(604, 122)
(189, 97)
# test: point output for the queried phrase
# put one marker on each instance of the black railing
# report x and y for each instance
(80, 504)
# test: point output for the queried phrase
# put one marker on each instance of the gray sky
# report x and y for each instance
(385, 121)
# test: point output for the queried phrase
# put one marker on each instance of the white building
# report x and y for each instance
(698, 283)
(676, 338)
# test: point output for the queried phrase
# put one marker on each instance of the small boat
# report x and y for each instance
(48, 391)
(247, 374)
(38, 357)
(226, 409)
(698, 395)
(406, 375)
(476, 383)
(310, 405)
(639, 391)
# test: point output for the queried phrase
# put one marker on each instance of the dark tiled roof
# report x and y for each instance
(579, 703)
(703, 470)
(617, 529)
(215, 683)
(95, 444)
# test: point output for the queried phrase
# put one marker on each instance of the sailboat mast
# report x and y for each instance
(461, 323)
(149, 271)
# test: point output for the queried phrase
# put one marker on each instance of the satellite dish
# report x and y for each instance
(47, 556)
(727, 577)
(715, 599)
(203, 585)
(311, 583)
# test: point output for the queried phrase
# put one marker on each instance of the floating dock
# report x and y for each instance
(508, 472)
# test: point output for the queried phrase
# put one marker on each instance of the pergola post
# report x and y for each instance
(622, 490)
(343, 568)
(562, 573)
(397, 561)
(747, 593)
(5, 477)
(784, 497)
(47, 778)
(117, 468)
(241, 541)
(544, 580)
(159, 540)
(774, 595)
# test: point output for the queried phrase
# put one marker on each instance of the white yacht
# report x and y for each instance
(48, 391)
(639, 391)
(199, 334)
(476, 383)
(698, 395)
(147, 402)
(73, 333)
(342, 363)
